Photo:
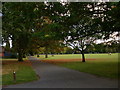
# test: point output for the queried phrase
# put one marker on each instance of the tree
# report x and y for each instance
(18, 25)
(80, 44)
(53, 22)
(81, 30)
(20, 18)
(90, 20)
(49, 37)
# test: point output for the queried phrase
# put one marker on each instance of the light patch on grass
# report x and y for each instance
(6, 70)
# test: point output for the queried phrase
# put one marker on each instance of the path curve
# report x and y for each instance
(52, 76)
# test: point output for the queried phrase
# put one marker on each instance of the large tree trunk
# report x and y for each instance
(83, 56)
(20, 56)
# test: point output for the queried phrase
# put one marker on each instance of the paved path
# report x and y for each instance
(52, 76)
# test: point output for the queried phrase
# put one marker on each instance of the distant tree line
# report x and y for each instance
(93, 48)
(102, 48)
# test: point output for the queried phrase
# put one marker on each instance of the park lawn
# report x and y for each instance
(104, 65)
(78, 56)
(24, 72)
(98, 68)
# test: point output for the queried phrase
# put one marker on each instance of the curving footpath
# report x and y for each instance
(52, 76)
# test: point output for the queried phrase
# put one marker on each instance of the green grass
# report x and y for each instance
(78, 56)
(13, 59)
(104, 66)
(99, 68)
(24, 72)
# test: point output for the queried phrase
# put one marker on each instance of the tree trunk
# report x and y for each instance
(7, 45)
(46, 52)
(37, 55)
(83, 56)
(20, 56)
(46, 55)
(52, 54)
(24, 56)
(82, 51)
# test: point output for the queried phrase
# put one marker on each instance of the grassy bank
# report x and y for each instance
(24, 72)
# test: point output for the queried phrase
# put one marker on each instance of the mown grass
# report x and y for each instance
(99, 68)
(79, 56)
(104, 65)
(24, 72)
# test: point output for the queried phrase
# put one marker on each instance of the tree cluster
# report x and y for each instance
(48, 25)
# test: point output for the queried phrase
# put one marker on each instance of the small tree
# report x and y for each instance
(80, 44)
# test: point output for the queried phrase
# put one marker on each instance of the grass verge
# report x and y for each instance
(24, 72)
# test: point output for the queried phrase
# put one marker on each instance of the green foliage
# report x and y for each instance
(50, 23)
(18, 24)
(68, 50)
(22, 40)
(49, 37)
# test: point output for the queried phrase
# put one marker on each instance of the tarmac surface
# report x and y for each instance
(52, 76)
